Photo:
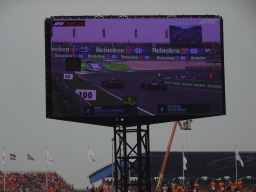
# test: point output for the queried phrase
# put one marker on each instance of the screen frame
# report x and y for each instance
(130, 121)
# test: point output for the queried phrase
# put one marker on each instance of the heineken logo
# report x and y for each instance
(96, 56)
(109, 50)
(165, 58)
(62, 55)
(197, 58)
(187, 84)
(165, 50)
(61, 49)
(199, 85)
(214, 86)
(129, 57)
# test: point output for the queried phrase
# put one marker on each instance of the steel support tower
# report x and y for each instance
(130, 157)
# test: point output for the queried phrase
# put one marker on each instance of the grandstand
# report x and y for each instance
(33, 181)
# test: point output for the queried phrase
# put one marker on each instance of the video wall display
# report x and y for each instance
(150, 68)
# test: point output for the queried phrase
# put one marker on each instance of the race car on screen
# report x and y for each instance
(153, 85)
(113, 83)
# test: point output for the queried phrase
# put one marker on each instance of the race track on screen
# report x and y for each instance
(148, 99)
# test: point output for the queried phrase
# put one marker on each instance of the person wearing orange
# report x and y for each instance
(182, 189)
(235, 186)
(221, 185)
(178, 189)
(196, 185)
(175, 189)
(97, 190)
(105, 187)
(240, 184)
(218, 190)
(213, 184)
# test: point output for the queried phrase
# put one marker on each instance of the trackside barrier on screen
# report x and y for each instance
(96, 49)
(195, 84)
(69, 95)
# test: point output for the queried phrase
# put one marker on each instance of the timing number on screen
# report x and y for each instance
(193, 51)
(138, 50)
(86, 94)
(68, 76)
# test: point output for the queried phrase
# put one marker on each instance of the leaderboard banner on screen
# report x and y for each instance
(141, 67)
(127, 50)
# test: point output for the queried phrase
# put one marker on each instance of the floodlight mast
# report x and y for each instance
(186, 125)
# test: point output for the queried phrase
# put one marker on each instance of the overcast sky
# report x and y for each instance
(24, 128)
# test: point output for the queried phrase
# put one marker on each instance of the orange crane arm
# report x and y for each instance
(161, 175)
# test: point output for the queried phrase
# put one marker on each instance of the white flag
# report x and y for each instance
(4, 159)
(91, 156)
(184, 161)
(239, 158)
(49, 158)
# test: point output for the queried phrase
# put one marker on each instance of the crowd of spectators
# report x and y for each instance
(36, 181)
(199, 185)
(209, 186)
(33, 181)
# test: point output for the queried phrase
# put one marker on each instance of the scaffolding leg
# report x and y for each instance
(141, 166)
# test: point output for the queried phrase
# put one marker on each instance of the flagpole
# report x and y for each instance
(183, 164)
(4, 171)
(236, 163)
(46, 170)
(4, 177)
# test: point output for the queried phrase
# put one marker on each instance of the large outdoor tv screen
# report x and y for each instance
(135, 67)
